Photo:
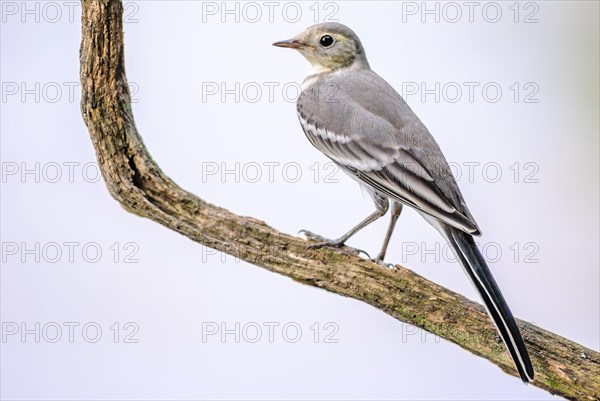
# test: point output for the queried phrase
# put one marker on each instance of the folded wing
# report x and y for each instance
(384, 145)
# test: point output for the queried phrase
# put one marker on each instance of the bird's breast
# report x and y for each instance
(311, 79)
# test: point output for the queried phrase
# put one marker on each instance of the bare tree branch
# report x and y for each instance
(137, 183)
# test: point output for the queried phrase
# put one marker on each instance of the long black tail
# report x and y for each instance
(479, 273)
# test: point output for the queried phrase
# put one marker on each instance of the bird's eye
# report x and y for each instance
(326, 41)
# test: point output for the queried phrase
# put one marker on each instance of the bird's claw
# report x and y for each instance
(310, 235)
(381, 263)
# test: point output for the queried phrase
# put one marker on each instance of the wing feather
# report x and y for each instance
(384, 145)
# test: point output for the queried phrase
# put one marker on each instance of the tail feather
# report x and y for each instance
(479, 273)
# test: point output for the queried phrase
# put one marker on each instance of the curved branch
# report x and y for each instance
(137, 183)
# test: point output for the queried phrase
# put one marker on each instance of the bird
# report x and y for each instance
(362, 124)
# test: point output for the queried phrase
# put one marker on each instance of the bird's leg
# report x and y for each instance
(382, 205)
(396, 210)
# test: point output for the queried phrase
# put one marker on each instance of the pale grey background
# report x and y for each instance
(177, 285)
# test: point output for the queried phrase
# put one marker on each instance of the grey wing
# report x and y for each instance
(378, 150)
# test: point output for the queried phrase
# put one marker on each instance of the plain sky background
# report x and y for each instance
(533, 187)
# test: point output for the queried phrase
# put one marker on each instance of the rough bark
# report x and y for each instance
(138, 184)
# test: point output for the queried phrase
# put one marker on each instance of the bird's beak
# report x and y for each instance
(290, 43)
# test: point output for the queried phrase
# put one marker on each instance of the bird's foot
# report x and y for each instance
(336, 243)
(380, 262)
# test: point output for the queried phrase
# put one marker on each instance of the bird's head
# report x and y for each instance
(328, 46)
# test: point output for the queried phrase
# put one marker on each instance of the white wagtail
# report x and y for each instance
(360, 122)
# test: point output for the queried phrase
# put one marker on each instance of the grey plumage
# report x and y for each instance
(359, 121)
(355, 118)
